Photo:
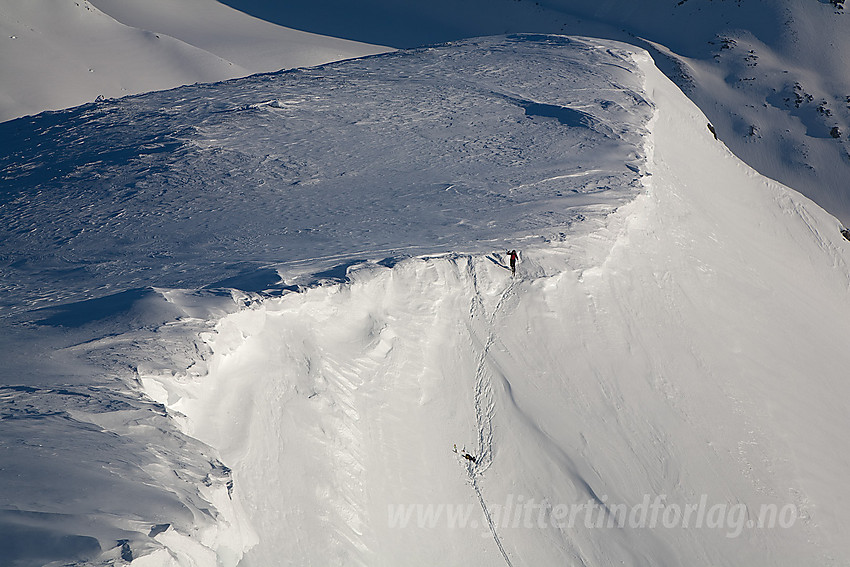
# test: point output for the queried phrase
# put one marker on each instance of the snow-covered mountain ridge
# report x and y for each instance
(253, 379)
(771, 75)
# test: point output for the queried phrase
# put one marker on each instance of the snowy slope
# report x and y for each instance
(255, 45)
(266, 310)
(61, 53)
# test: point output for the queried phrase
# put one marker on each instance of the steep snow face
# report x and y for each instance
(665, 368)
(685, 354)
(673, 369)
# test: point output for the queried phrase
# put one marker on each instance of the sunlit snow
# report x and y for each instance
(261, 322)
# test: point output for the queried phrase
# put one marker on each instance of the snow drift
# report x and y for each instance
(674, 335)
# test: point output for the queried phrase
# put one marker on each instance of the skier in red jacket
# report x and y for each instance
(513, 262)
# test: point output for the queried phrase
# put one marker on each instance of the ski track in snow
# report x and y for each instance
(484, 403)
(489, 519)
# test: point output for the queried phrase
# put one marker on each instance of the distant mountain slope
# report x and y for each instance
(60, 53)
(255, 45)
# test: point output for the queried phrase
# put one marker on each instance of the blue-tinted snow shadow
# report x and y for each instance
(33, 538)
(40, 150)
(391, 261)
(396, 24)
(253, 280)
(564, 115)
(338, 273)
(497, 262)
(146, 306)
(79, 313)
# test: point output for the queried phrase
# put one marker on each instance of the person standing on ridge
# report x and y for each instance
(513, 262)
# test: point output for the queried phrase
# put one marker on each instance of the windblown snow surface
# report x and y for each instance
(262, 322)
(772, 76)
